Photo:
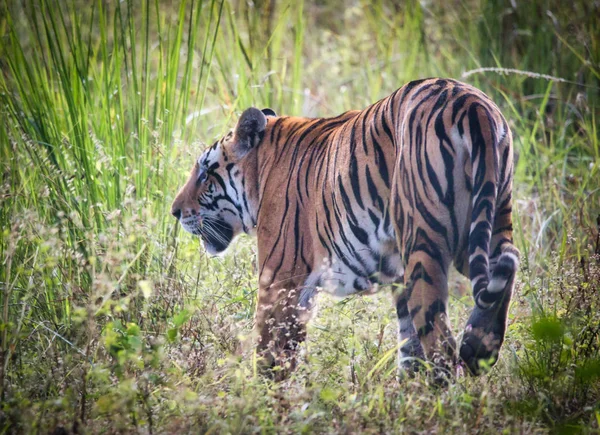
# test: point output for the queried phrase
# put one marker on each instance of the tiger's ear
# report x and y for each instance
(249, 131)
(269, 112)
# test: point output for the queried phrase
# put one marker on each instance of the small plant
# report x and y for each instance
(560, 363)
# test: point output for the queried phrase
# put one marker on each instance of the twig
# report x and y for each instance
(530, 74)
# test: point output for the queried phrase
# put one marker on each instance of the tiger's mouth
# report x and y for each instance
(216, 234)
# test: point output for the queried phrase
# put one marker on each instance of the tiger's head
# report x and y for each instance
(220, 198)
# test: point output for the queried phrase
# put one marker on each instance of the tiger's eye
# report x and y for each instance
(202, 176)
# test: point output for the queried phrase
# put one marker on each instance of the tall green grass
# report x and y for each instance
(111, 320)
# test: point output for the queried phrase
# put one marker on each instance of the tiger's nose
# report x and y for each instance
(177, 213)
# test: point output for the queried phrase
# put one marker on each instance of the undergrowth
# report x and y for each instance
(113, 320)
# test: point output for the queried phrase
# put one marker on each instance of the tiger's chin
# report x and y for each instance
(214, 250)
(216, 243)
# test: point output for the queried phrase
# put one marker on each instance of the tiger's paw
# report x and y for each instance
(435, 375)
(279, 366)
(482, 340)
(437, 368)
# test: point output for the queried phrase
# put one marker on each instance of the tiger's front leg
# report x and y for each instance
(281, 326)
(410, 352)
(426, 295)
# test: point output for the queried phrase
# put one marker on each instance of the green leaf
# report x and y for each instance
(172, 334)
(548, 329)
(180, 318)
(589, 371)
(133, 329)
(329, 395)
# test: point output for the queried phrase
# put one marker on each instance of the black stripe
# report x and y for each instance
(437, 307)
(479, 237)
(373, 190)
(457, 105)
(354, 180)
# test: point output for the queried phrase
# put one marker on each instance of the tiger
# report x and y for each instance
(385, 197)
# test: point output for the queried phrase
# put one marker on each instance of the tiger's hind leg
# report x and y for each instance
(486, 327)
(493, 259)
